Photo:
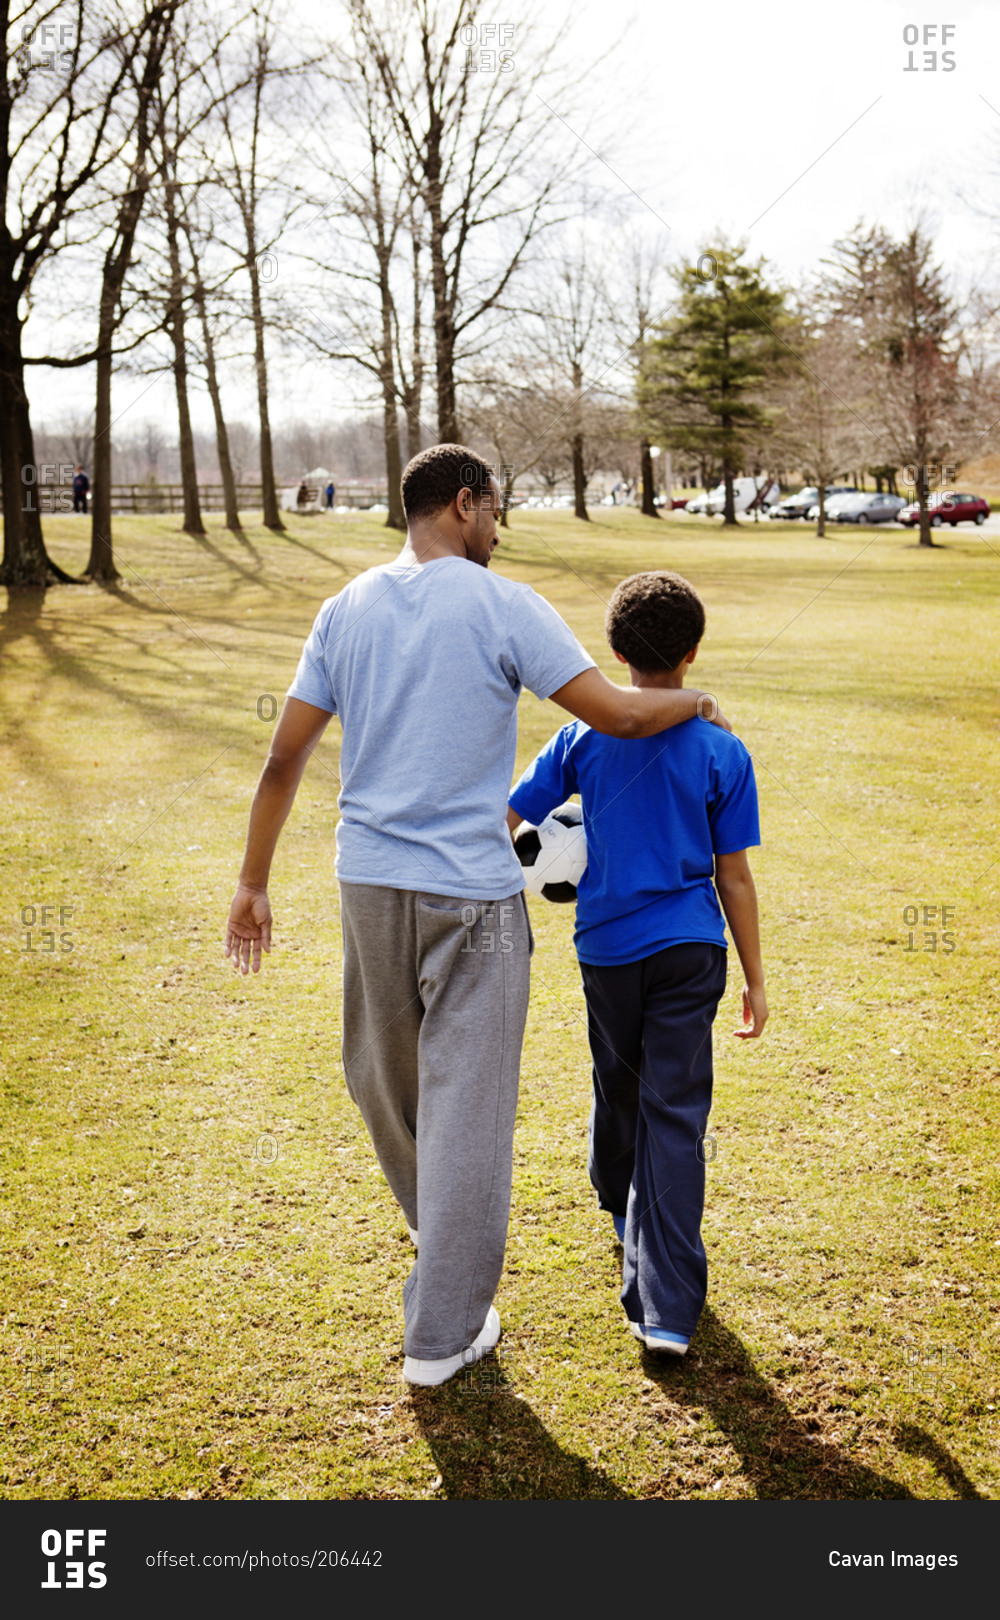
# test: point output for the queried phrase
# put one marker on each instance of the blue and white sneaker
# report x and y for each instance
(618, 1222)
(674, 1344)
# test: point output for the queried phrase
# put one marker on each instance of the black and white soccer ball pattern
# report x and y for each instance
(554, 854)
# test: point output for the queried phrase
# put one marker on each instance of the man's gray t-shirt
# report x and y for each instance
(424, 664)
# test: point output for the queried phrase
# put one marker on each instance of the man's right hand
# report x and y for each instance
(708, 709)
(632, 711)
(248, 930)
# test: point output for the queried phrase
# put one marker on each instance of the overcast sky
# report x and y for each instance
(781, 123)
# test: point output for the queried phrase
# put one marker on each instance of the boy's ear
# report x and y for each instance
(620, 657)
(692, 655)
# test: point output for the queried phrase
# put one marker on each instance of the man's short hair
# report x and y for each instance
(653, 620)
(434, 477)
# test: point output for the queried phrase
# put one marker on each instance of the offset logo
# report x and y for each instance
(65, 1565)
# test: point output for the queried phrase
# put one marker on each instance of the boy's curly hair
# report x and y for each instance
(653, 620)
(434, 477)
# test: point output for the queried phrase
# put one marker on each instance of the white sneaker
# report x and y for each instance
(416, 1371)
(413, 1237)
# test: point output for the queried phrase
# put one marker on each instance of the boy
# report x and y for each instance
(662, 815)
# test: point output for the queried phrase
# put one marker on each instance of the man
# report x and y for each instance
(81, 489)
(424, 659)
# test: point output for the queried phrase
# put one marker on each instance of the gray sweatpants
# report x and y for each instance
(435, 999)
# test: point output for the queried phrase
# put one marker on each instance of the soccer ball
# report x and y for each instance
(554, 854)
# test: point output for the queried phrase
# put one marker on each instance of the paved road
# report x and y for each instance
(969, 530)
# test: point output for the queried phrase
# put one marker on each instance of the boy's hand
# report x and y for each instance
(754, 1013)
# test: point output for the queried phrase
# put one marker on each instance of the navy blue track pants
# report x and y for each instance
(650, 1027)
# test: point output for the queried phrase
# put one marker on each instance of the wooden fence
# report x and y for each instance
(153, 498)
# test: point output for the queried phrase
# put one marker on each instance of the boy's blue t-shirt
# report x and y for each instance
(656, 812)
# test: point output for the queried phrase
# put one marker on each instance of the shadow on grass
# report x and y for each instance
(206, 544)
(783, 1456)
(490, 1446)
(289, 539)
(920, 1444)
(21, 617)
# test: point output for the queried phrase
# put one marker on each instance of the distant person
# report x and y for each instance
(81, 489)
(330, 493)
(302, 499)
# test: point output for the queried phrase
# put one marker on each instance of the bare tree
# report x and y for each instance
(376, 210)
(636, 297)
(245, 178)
(822, 428)
(513, 417)
(145, 67)
(570, 342)
(915, 385)
(480, 148)
(58, 135)
(77, 436)
(201, 295)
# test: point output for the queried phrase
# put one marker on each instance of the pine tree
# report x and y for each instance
(707, 373)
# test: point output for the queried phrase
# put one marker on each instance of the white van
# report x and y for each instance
(747, 492)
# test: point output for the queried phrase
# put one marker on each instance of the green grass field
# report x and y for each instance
(202, 1264)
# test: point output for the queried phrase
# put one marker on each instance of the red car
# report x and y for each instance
(951, 508)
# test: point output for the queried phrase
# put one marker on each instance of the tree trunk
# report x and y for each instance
(444, 324)
(444, 348)
(411, 406)
(232, 504)
(101, 562)
(646, 474)
(729, 507)
(269, 489)
(25, 559)
(925, 519)
(415, 390)
(176, 326)
(508, 490)
(821, 518)
(212, 378)
(390, 400)
(393, 459)
(579, 481)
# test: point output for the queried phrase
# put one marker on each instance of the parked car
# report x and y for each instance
(800, 505)
(870, 509)
(951, 508)
(834, 504)
(795, 506)
(747, 492)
